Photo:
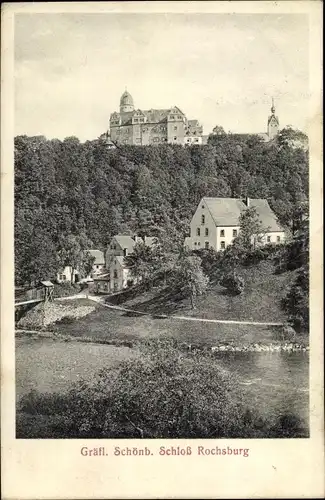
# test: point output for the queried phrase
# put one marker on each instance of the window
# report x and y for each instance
(175, 128)
(268, 239)
(278, 239)
(202, 219)
(115, 274)
(97, 267)
(202, 207)
(234, 233)
(199, 244)
(172, 117)
(175, 138)
(222, 233)
(198, 231)
(196, 140)
(206, 231)
(222, 245)
(125, 252)
(179, 117)
(206, 244)
(141, 120)
(136, 120)
(195, 243)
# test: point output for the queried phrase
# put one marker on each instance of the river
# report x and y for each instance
(275, 382)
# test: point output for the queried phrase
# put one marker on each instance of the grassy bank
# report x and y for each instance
(260, 301)
(108, 325)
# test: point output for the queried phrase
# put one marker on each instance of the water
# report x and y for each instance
(273, 383)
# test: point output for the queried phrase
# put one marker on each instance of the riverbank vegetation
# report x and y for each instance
(164, 393)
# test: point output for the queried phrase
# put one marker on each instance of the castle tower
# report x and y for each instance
(272, 123)
(126, 102)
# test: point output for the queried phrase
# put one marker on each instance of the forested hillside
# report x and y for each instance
(87, 191)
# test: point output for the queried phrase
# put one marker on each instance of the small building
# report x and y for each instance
(99, 262)
(66, 275)
(119, 274)
(215, 223)
(102, 283)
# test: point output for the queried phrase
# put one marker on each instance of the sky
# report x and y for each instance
(222, 69)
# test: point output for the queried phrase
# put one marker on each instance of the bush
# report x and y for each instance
(296, 303)
(165, 393)
(233, 282)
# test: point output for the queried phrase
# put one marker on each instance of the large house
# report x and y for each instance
(121, 246)
(215, 223)
(153, 126)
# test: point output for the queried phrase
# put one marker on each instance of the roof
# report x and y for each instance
(99, 256)
(120, 260)
(125, 241)
(226, 211)
(150, 241)
(47, 283)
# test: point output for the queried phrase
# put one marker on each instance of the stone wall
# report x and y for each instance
(45, 314)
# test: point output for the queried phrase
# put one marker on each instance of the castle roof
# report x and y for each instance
(126, 99)
(226, 211)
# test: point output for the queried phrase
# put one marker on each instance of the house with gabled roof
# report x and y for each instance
(215, 223)
(121, 246)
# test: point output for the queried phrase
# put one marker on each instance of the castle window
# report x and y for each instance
(206, 231)
(234, 233)
(198, 231)
(202, 219)
(222, 233)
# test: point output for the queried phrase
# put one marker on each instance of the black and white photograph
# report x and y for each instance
(161, 226)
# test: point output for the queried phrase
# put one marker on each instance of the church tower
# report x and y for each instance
(272, 123)
(126, 102)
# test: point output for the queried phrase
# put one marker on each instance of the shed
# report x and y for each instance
(48, 288)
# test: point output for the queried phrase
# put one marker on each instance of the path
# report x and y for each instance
(99, 300)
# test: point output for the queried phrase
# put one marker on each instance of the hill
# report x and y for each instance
(65, 188)
(260, 301)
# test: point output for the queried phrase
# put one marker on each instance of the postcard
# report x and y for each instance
(161, 250)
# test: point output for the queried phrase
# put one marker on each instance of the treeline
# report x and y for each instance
(66, 189)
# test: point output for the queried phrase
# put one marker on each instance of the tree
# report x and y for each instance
(218, 130)
(141, 263)
(252, 231)
(296, 303)
(190, 277)
(74, 252)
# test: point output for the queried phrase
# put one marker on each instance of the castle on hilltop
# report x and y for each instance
(153, 126)
(160, 126)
